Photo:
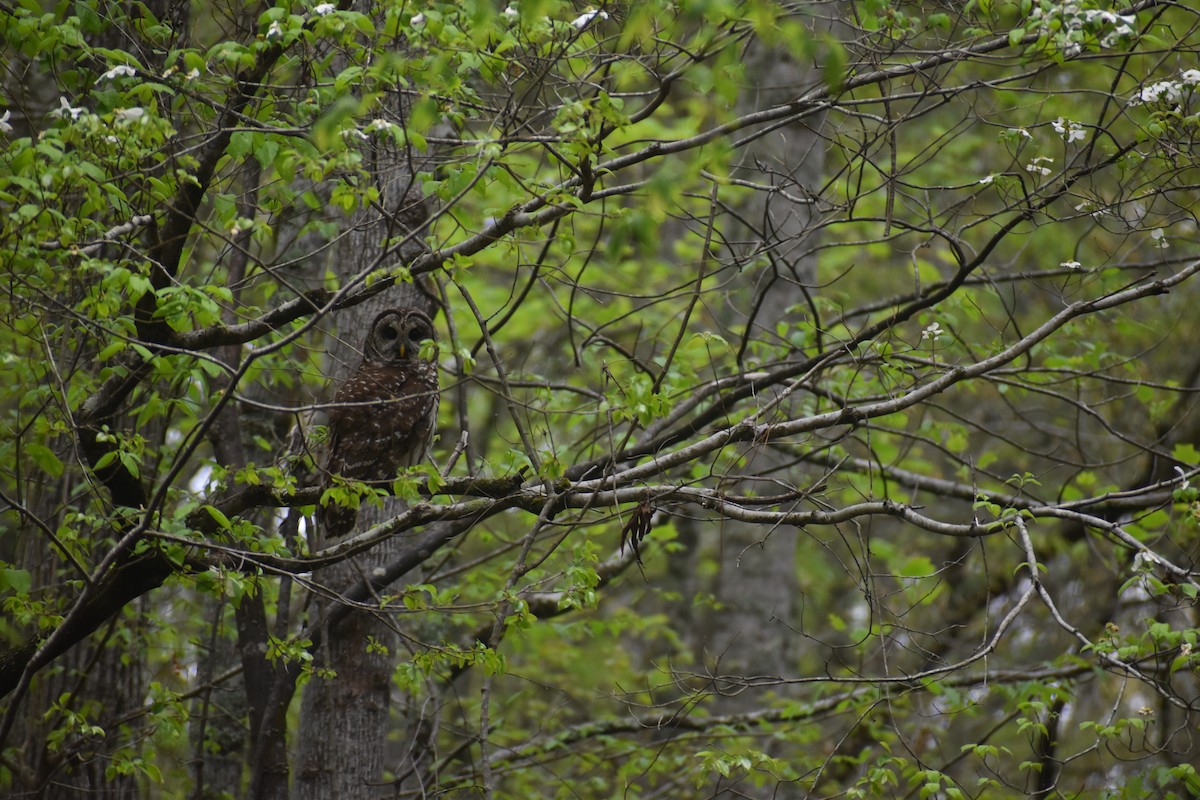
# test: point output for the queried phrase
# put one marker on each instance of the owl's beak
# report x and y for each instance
(401, 349)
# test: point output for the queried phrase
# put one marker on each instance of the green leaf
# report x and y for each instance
(219, 516)
(833, 71)
(46, 460)
(18, 580)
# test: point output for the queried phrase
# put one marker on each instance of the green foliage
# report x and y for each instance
(653, 329)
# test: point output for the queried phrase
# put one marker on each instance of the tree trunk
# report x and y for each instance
(749, 632)
(345, 719)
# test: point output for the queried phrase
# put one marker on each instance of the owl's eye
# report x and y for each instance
(389, 334)
(415, 335)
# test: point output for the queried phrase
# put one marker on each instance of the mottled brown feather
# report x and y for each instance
(385, 414)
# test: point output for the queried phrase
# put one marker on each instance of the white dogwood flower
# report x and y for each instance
(1069, 129)
(1184, 482)
(117, 72)
(585, 19)
(128, 115)
(1037, 167)
(1157, 91)
(65, 110)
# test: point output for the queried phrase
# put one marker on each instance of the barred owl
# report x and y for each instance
(384, 415)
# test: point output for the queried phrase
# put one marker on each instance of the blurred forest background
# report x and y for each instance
(818, 411)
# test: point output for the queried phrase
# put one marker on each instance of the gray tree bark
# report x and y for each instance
(345, 720)
(750, 633)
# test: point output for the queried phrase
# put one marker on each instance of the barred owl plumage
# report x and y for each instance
(384, 415)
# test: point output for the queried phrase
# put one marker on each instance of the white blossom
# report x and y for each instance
(324, 9)
(1036, 166)
(510, 13)
(1156, 91)
(275, 31)
(1160, 238)
(128, 115)
(4, 126)
(379, 125)
(417, 21)
(986, 180)
(1069, 26)
(585, 19)
(1169, 91)
(1121, 25)
(117, 72)
(1185, 483)
(1023, 132)
(1108, 18)
(934, 331)
(65, 110)
(192, 74)
(1069, 129)
(1070, 264)
(1144, 560)
(348, 132)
